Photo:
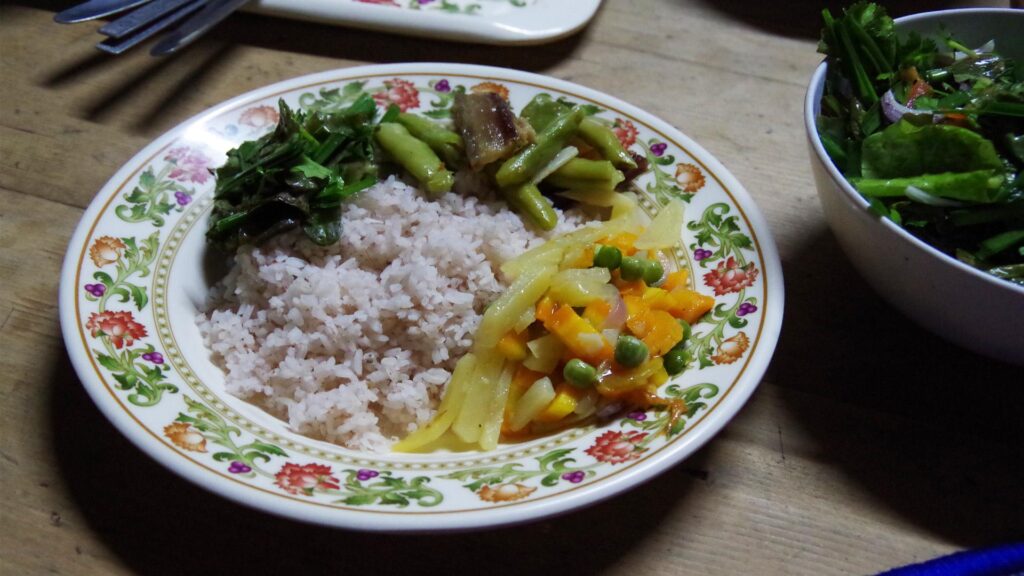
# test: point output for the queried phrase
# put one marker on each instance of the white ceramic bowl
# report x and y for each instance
(959, 303)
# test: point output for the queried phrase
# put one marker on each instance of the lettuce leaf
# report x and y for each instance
(904, 150)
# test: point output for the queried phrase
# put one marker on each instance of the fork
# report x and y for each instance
(150, 18)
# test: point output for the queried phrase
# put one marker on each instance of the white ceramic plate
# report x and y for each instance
(486, 21)
(133, 278)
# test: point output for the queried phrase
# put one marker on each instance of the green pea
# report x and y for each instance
(652, 272)
(687, 331)
(630, 352)
(608, 257)
(631, 268)
(674, 361)
(579, 373)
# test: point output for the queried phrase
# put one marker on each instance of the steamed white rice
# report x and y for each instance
(354, 343)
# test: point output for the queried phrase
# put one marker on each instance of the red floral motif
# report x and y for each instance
(689, 177)
(731, 349)
(400, 92)
(299, 480)
(120, 327)
(189, 165)
(625, 131)
(259, 117)
(494, 87)
(729, 277)
(615, 447)
(106, 250)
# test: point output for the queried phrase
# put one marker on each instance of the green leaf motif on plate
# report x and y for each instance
(218, 431)
(136, 368)
(550, 468)
(157, 194)
(360, 488)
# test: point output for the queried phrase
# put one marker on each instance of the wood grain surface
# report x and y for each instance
(869, 444)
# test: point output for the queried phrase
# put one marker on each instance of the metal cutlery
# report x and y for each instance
(148, 18)
(94, 9)
(197, 25)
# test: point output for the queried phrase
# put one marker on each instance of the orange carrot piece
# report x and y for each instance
(545, 309)
(677, 279)
(663, 332)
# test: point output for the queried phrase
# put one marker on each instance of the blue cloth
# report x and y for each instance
(1005, 560)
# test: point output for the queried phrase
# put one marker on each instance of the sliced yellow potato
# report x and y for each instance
(579, 286)
(536, 399)
(481, 390)
(552, 251)
(503, 314)
(665, 230)
(624, 204)
(496, 411)
(426, 434)
(529, 317)
(601, 198)
(451, 405)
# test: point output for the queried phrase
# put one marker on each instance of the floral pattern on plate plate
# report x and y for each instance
(136, 274)
(481, 21)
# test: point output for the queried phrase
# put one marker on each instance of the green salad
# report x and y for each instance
(931, 133)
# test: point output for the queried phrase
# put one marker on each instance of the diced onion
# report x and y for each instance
(586, 405)
(920, 196)
(894, 111)
(560, 159)
(609, 410)
(545, 353)
(618, 315)
(590, 343)
(986, 48)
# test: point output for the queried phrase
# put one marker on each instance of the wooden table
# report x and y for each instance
(869, 444)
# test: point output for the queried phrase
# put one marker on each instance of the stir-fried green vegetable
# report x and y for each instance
(931, 133)
(296, 176)
(300, 174)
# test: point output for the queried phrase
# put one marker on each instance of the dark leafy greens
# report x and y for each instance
(931, 133)
(296, 176)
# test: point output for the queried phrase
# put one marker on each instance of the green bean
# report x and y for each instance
(607, 143)
(446, 143)
(527, 200)
(583, 174)
(415, 156)
(521, 167)
(579, 373)
(630, 351)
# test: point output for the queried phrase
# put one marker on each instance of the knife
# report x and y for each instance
(195, 26)
(94, 9)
